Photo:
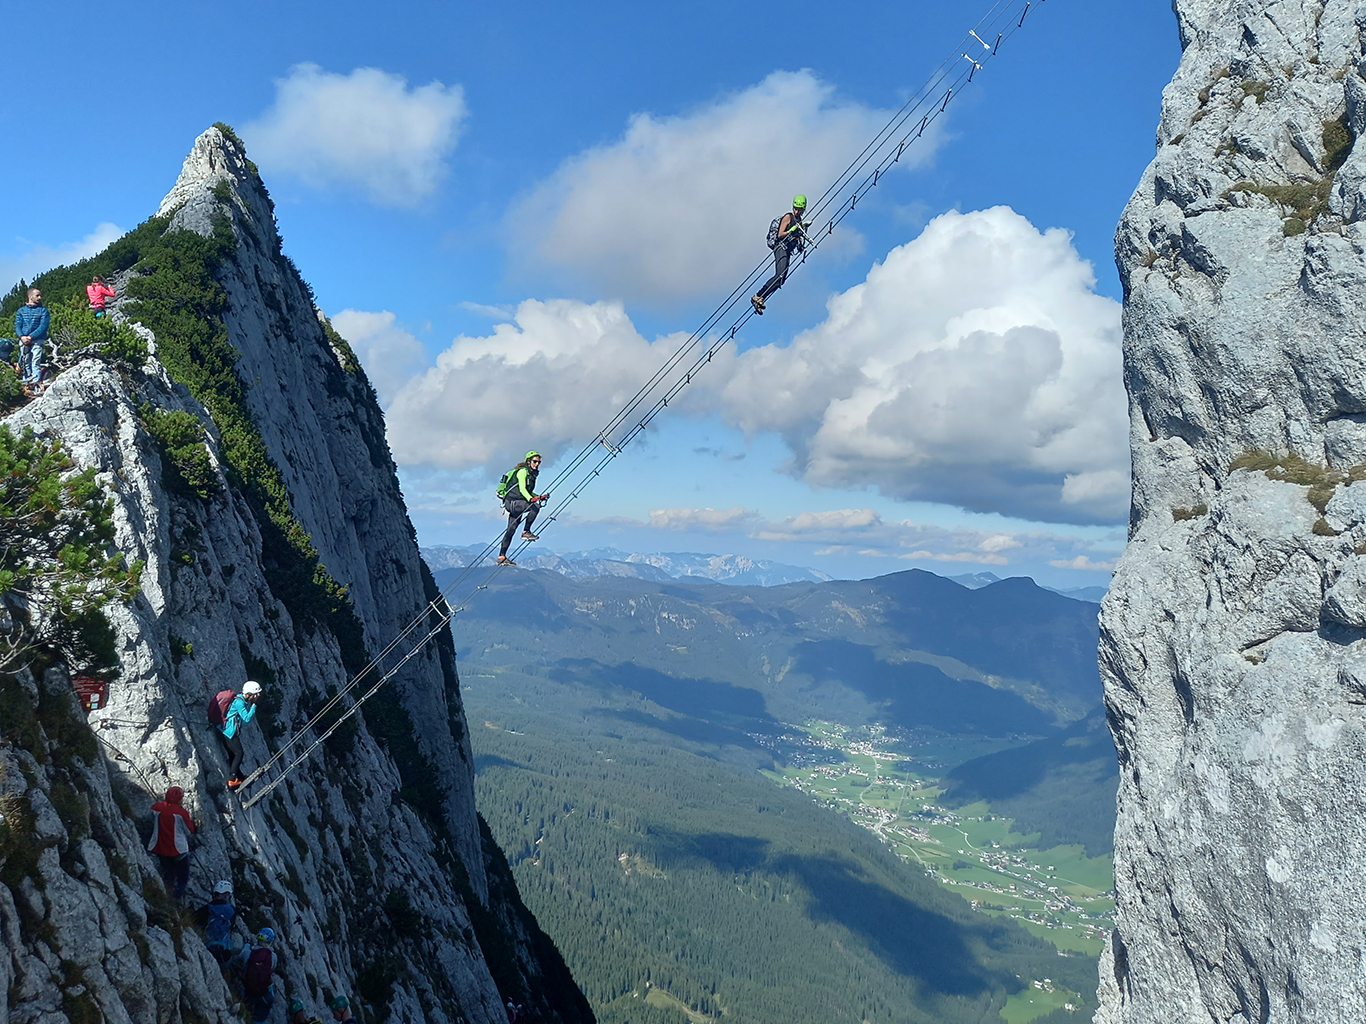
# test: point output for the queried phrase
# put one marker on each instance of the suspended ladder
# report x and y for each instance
(908, 125)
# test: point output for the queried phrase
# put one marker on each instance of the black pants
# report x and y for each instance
(260, 1006)
(175, 872)
(780, 258)
(517, 507)
(233, 748)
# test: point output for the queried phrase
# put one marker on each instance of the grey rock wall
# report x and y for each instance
(325, 858)
(1232, 640)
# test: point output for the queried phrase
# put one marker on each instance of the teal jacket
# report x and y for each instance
(240, 712)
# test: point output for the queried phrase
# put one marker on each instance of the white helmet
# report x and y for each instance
(251, 687)
(222, 887)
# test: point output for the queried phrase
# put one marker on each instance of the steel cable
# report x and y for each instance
(931, 100)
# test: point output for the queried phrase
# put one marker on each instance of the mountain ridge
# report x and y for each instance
(285, 555)
(737, 570)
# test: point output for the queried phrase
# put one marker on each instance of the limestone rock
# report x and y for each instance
(1233, 639)
(328, 858)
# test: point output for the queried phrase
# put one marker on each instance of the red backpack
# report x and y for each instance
(260, 967)
(218, 707)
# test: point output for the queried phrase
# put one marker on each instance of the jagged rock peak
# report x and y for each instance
(370, 862)
(218, 156)
(1233, 638)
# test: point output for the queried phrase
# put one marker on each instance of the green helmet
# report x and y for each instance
(340, 1003)
(296, 1005)
(799, 202)
(530, 456)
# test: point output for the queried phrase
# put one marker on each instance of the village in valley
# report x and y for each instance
(1059, 894)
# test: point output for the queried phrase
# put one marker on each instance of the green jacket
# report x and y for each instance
(524, 485)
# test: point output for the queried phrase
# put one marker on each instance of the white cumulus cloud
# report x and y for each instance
(863, 531)
(1084, 562)
(555, 374)
(701, 518)
(678, 206)
(368, 130)
(38, 257)
(975, 365)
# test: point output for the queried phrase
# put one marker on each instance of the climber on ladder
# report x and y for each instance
(517, 489)
(786, 235)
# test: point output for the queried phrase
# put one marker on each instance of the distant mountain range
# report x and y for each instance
(620, 725)
(977, 580)
(736, 570)
(909, 649)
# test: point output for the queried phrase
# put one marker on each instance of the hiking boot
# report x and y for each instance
(758, 305)
(528, 535)
(505, 560)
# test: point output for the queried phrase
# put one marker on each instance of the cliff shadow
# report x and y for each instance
(918, 943)
(912, 694)
(723, 850)
(482, 762)
(694, 730)
(940, 954)
(737, 707)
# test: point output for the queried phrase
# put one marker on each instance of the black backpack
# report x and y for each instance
(773, 232)
(794, 240)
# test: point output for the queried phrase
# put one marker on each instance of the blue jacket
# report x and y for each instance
(239, 713)
(32, 321)
(219, 931)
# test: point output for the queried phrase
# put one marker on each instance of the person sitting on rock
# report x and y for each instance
(341, 1009)
(257, 962)
(216, 918)
(170, 841)
(31, 322)
(518, 491)
(97, 292)
(241, 711)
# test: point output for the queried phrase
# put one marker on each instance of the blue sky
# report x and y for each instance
(512, 209)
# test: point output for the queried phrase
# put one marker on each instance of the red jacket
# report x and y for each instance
(171, 834)
(97, 293)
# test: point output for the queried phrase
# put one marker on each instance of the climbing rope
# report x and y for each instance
(903, 129)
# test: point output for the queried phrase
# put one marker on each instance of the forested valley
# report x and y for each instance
(620, 776)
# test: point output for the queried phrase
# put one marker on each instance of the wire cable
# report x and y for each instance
(1003, 19)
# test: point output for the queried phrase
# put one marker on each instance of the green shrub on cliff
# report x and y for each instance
(11, 390)
(177, 295)
(186, 467)
(76, 328)
(57, 567)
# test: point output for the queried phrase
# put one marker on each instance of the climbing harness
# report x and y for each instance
(864, 172)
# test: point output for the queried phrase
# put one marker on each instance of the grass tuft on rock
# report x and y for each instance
(1322, 481)
(1305, 200)
(1322, 529)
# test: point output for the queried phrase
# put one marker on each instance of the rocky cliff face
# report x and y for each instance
(1234, 636)
(371, 862)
